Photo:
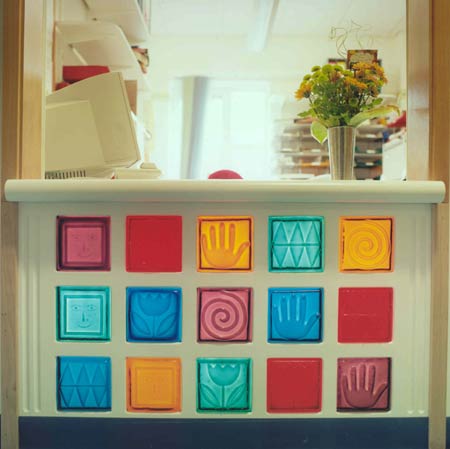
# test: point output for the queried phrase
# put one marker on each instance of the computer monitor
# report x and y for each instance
(89, 129)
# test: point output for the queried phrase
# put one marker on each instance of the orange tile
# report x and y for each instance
(366, 244)
(153, 385)
(224, 243)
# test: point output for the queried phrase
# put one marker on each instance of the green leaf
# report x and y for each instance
(373, 113)
(167, 325)
(319, 131)
(236, 396)
(207, 395)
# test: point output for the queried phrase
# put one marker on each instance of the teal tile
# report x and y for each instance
(83, 313)
(84, 383)
(223, 385)
(296, 244)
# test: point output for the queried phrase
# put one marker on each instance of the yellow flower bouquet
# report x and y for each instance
(339, 97)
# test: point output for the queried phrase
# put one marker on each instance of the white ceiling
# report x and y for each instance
(306, 18)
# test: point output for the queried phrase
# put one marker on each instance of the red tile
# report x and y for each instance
(365, 315)
(364, 384)
(294, 385)
(153, 243)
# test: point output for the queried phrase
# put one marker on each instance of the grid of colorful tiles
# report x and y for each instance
(224, 315)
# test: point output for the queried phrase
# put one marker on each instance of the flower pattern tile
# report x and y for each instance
(363, 384)
(224, 315)
(366, 244)
(153, 314)
(83, 313)
(83, 243)
(223, 385)
(224, 244)
(84, 383)
(296, 244)
(295, 315)
(153, 385)
(294, 385)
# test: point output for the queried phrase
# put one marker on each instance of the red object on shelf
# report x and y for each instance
(225, 174)
(61, 85)
(74, 73)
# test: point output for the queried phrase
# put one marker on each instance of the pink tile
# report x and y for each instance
(83, 243)
(364, 384)
(224, 314)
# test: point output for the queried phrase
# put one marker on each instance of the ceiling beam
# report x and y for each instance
(264, 17)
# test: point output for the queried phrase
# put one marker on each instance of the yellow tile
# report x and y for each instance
(224, 243)
(366, 244)
(153, 385)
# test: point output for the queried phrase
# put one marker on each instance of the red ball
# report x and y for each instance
(224, 174)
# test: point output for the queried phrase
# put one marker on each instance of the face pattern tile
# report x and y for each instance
(366, 244)
(224, 244)
(295, 315)
(83, 243)
(153, 384)
(223, 385)
(153, 314)
(83, 313)
(365, 315)
(296, 244)
(84, 383)
(294, 385)
(154, 243)
(224, 315)
(364, 384)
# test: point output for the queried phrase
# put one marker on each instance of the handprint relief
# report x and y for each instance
(363, 386)
(225, 246)
(290, 318)
(295, 315)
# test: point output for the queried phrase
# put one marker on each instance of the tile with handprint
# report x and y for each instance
(294, 385)
(153, 385)
(223, 385)
(363, 384)
(83, 313)
(295, 315)
(296, 244)
(224, 244)
(153, 314)
(83, 243)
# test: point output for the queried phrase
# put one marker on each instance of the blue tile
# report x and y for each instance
(83, 313)
(153, 314)
(223, 385)
(84, 383)
(296, 244)
(295, 315)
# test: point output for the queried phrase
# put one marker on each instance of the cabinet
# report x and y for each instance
(299, 155)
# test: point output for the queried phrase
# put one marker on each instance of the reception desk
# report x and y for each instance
(219, 314)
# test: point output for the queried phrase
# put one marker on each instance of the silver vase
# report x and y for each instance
(341, 147)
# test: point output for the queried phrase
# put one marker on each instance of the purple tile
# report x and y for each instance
(83, 243)
(364, 384)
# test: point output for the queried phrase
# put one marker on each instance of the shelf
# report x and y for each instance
(103, 43)
(124, 13)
